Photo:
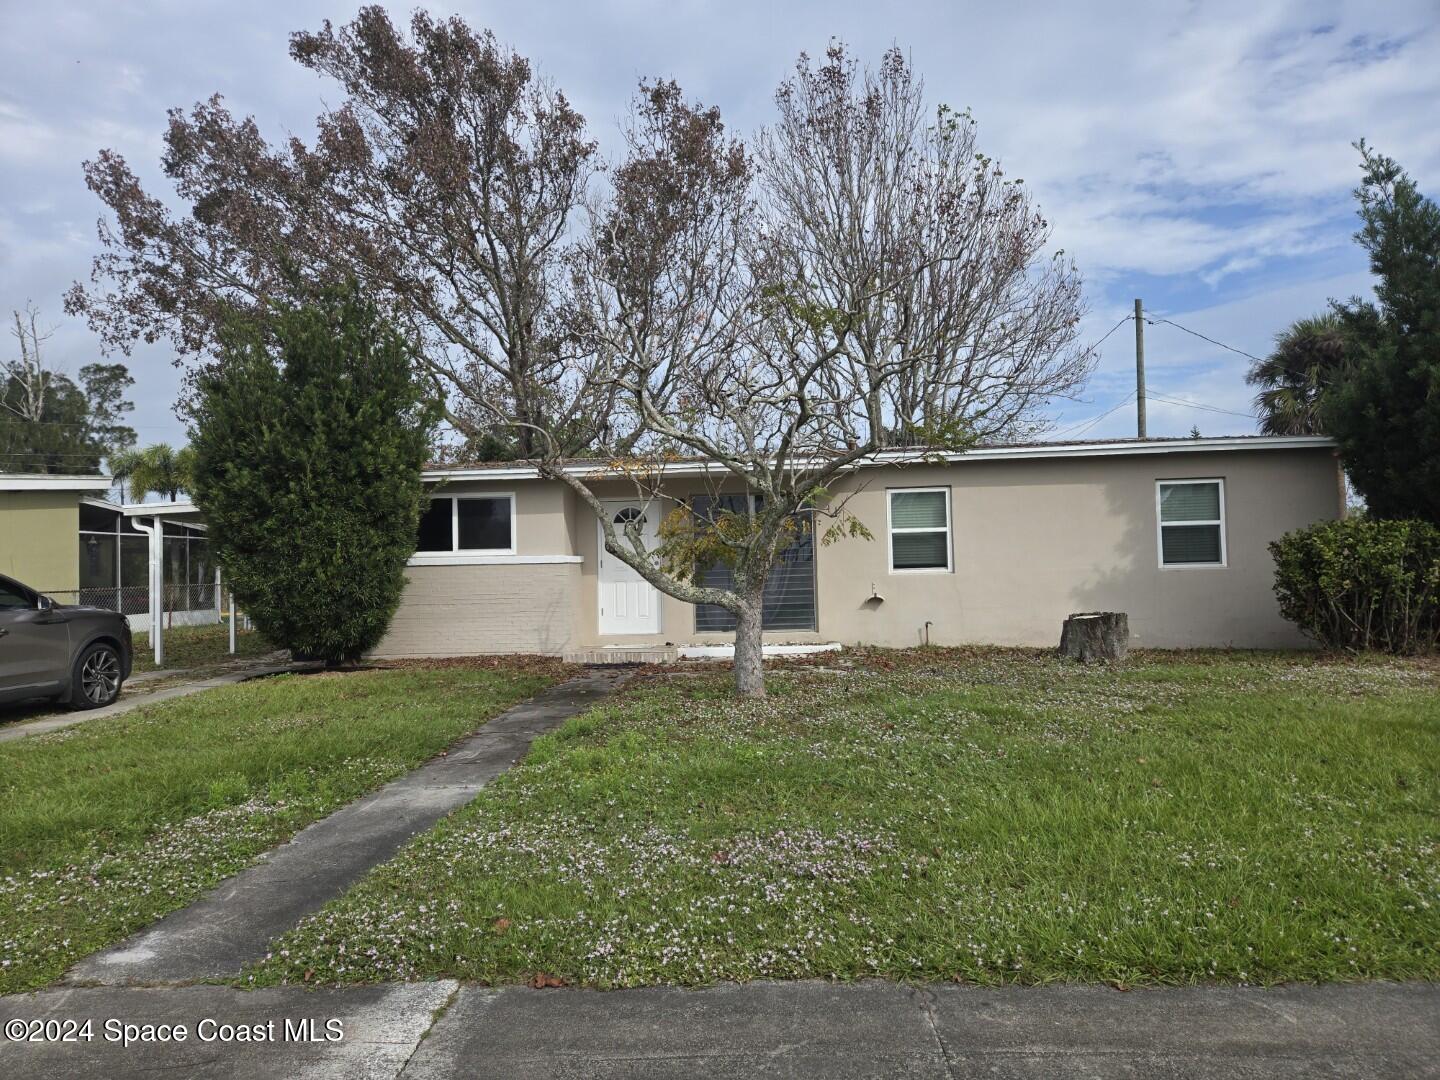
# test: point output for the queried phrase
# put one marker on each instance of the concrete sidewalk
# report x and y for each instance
(439, 1031)
(233, 925)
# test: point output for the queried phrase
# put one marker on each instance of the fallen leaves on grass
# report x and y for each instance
(998, 815)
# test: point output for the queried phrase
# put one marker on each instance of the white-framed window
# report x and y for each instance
(1190, 522)
(480, 522)
(918, 524)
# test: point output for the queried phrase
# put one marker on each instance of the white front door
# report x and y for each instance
(628, 603)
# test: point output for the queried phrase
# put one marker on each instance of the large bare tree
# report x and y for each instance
(444, 184)
(862, 280)
(867, 280)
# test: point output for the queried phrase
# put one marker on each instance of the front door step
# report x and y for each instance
(668, 654)
(623, 654)
(727, 652)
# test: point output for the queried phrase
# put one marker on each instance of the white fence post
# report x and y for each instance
(233, 615)
(157, 591)
(156, 532)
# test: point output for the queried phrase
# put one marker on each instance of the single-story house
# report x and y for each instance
(993, 545)
(40, 527)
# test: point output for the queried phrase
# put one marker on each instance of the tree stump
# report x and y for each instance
(1096, 635)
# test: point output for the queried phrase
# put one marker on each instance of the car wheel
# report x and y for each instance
(96, 680)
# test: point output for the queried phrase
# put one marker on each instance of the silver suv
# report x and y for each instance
(79, 655)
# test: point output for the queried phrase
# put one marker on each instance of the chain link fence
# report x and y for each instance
(182, 605)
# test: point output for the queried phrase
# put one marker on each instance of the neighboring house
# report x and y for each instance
(994, 545)
(58, 536)
(39, 527)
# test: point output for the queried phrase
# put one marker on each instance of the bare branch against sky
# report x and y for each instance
(1199, 156)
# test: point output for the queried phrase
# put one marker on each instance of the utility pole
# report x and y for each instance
(1140, 367)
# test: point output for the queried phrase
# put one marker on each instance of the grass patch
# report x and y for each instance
(990, 816)
(200, 646)
(108, 825)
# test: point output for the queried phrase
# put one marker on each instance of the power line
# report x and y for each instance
(1079, 429)
(23, 458)
(50, 453)
(1202, 337)
(1086, 425)
(1107, 333)
(1198, 405)
(79, 424)
(1218, 344)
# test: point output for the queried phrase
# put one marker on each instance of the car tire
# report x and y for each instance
(96, 678)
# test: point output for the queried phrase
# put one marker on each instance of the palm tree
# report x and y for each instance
(1307, 359)
(122, 465)
(162, 470)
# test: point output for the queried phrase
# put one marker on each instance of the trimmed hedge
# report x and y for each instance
(1362, 583)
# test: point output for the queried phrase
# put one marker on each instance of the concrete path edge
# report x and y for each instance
(232, 925)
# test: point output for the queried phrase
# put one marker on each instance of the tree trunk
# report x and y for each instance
(749, 659)
(1096, 635)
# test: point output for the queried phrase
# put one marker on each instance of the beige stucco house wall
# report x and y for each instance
(1035, 540)
(1036, 533)
(39, 528)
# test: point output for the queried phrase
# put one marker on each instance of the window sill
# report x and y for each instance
(475, 558)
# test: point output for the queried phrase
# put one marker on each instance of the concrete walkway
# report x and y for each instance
(129, 702)
(233, 925)
(440, 1031)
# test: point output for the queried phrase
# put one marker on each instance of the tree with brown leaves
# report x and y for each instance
(862, 280)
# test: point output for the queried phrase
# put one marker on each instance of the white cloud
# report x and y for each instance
(24, 140)
(1197, 152)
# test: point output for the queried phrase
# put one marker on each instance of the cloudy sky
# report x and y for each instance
(1196, 155)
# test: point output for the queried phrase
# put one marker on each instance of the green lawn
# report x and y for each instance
(199, 646)
(992, 816)
(108, 825)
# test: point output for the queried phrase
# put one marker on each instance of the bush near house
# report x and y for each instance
(1362, 583)
(309, 434)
